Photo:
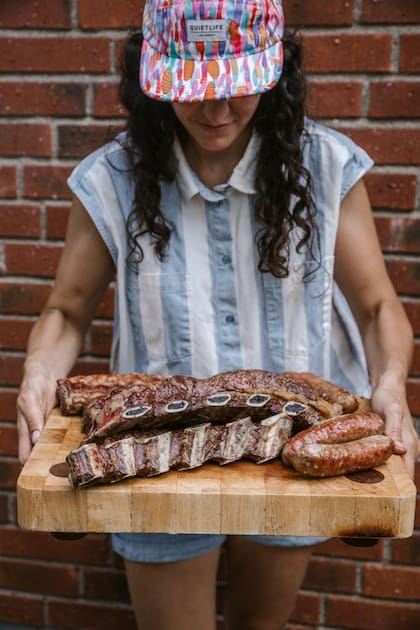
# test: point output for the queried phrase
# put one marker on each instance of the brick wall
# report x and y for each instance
(58, 60)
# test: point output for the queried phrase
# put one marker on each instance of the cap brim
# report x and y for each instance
(186, 80)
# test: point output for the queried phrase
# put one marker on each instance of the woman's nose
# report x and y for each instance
(216, 112)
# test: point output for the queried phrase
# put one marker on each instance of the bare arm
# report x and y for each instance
(84, 272)
(386, 333)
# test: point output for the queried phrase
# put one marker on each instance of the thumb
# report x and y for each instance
(30, 421)
(393, 424)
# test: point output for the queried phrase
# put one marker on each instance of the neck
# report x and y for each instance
(215, 167)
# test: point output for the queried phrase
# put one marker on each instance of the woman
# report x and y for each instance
(241, 236)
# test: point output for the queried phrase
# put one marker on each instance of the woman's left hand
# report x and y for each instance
(399, 424)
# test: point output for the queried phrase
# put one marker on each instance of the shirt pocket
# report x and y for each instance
(162, 326)
(298, 315)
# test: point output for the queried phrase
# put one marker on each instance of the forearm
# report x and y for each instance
(388, 341)
(54, 344)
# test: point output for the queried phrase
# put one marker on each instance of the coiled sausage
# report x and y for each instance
(326, 460)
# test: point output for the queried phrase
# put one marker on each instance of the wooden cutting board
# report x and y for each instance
(240, 498)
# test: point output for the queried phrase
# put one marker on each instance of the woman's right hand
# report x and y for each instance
(36, 399)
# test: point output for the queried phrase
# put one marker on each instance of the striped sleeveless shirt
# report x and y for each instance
(206, 308)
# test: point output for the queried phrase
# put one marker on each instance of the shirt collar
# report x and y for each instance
(242, 178)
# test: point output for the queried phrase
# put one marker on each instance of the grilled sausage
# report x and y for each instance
(326, 460)
(345, 428)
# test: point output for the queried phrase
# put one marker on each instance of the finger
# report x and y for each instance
(393, 427)
(409, 464)
(28, 405)
(29, 424)
(25, 443)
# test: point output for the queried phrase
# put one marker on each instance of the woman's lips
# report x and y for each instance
(214, 128)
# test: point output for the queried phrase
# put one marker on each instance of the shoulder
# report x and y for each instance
(320, 134)
(112, 155)
(103, 184)
(333, 155)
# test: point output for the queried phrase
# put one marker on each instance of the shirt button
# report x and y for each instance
(229, 319)
(226, 260)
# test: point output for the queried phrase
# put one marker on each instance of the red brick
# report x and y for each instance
(119, 43)
(346, 52)
(3, 508)
(392, 190)
(57, 218)
(20, 220)
(410, 52)
(318, 12)
(24, 298)
(101, 338)
(10, 369)
(406, 551)
(106, 101)
(390, 12)
(37, 577)
(21, 609)
(92, 549)
(412, 308)
(413, 396)
(8, 439)
(8, 182)
(25, 140)
(14, 333)
(335, 98)
(105, 584)
(396, 145)
(28, 260)
(307, 609)
(32, 14)
(337, 548)
(42, 99)
(8, 404)
(55, 54)
(77, 141)
(9, 472)
(415, 364)
(331, 575)
(71, 614)
(417, 476)
(113, 14)
(417, 515)
(394, 99)
(90, 366)
(399, 233)
(405, 275)
(46, 182)
(392, 583)
(13, 509)
(370, 615)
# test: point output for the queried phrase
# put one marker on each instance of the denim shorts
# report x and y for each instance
(174, 547)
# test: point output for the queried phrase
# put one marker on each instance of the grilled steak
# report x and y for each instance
(185, 401)
(76, 392)
(137, 454)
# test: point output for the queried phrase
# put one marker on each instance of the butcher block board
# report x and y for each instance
(240, 498)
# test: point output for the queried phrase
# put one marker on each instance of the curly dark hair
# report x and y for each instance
(280, 173)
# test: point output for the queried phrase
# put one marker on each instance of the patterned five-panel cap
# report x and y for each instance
(197, 50)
